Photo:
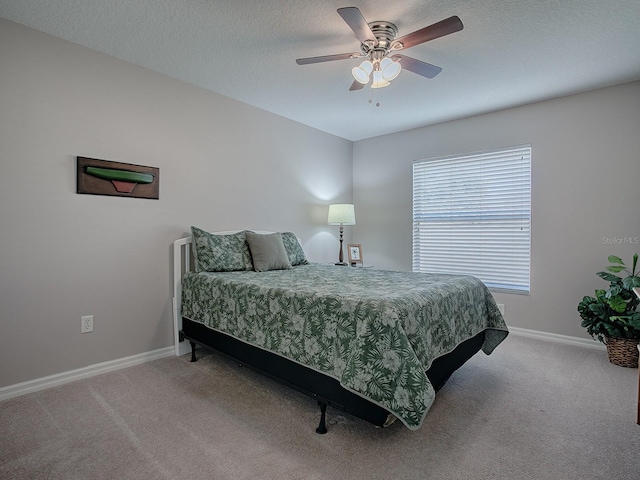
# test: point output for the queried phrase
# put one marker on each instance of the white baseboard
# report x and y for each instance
(85, 372)
(554, 337)
(99, 368)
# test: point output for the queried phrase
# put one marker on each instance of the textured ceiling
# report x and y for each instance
(510, 52)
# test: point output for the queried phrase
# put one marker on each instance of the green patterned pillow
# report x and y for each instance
(220, 253)
(294, 249)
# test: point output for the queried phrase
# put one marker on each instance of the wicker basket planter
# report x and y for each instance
(623, 351)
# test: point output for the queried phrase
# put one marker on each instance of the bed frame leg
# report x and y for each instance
(193, 351)
(322, 428)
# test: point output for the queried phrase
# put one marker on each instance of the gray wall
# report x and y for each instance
(226, 165)
(223, 165)
(585, 193)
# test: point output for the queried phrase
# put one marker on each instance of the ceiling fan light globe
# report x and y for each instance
(378, 80)
(391, 70)
(361, 73)
(367, 66)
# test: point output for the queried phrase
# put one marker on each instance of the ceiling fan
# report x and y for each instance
(378, 43)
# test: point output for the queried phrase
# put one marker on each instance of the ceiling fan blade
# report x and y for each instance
(437, 30)
(328, 58)
(356, 85)
(358, 24)
(417, 66)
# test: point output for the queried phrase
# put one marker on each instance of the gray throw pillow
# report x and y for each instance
(294, 249)
(220, 253)
(268, 252)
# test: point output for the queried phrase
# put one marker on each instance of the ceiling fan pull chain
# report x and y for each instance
(372, 99)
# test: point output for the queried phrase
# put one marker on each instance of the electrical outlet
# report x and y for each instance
(87, 324)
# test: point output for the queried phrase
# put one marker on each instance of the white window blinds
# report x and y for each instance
(472, 215)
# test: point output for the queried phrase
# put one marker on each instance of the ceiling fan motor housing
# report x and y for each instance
(385, 33)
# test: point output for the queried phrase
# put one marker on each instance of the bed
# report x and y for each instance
(376, 344)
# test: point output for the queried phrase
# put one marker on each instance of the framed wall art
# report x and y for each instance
(103, 177)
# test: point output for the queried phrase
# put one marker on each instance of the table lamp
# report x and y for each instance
(341, 214)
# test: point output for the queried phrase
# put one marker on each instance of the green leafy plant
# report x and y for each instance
(613, 312)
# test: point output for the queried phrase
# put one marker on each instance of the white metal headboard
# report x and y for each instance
(181, 265)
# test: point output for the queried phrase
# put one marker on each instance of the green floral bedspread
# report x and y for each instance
(375, 331)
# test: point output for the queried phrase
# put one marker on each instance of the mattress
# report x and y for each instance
(375, 331)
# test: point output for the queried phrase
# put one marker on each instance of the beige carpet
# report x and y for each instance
(531, 410)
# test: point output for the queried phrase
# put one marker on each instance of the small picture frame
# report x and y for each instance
(355, 253)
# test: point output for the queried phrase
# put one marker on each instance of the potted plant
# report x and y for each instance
(612, 316)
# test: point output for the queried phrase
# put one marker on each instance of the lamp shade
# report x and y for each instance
(342, 214)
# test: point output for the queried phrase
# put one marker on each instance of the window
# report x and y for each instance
(472, 215)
